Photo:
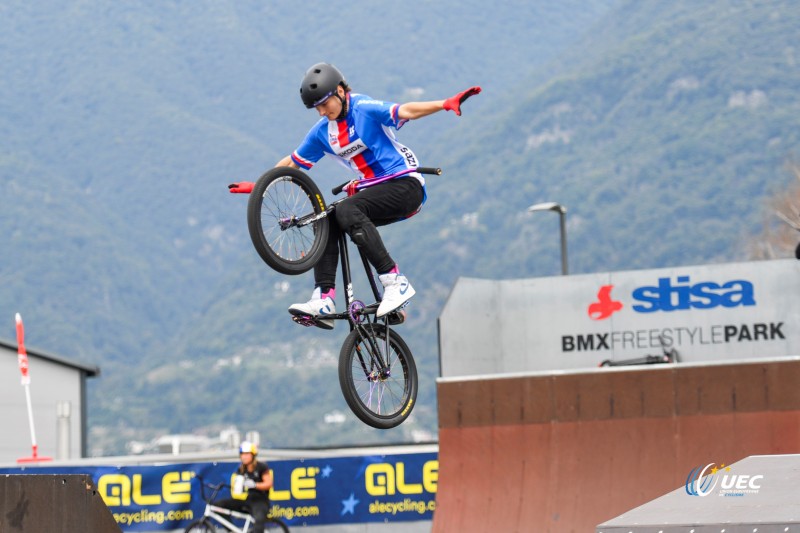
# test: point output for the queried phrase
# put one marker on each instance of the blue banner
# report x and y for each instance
(319, 491)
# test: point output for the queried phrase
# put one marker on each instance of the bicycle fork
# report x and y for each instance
(379, 368)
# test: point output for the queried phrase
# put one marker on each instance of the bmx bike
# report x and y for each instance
(289, 222)
(215, 517)
(668, 355)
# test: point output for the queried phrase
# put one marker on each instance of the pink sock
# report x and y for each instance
(330, 294)
(395, 270)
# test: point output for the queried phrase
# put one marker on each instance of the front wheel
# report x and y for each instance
(282, 216)
(201, 526)
(378, 378)
(273, 524)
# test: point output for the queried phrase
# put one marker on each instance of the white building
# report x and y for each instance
(58, 399)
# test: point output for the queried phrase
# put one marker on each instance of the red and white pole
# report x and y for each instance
(22, 359)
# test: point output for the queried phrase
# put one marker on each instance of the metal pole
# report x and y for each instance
(63, 433)
(30, 418)
(562, 213)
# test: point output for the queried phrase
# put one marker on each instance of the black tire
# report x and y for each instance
(281, 195)
(201, 526)
(273, 524)
(381, 401)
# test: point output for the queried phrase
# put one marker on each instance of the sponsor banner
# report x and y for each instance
(704, 313)
(318, 491)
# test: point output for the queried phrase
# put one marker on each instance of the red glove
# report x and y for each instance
(350, 188)
(242, 187)
(454, 102)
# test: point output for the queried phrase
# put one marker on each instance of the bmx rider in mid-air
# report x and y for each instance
(355, 129)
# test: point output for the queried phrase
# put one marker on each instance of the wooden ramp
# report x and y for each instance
(53, 504)
(563, 452)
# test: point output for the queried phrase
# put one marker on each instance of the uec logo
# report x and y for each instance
(700, 484)
(701, 481)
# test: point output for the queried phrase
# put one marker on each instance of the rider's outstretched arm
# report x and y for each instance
(287, 162)
(414, 110)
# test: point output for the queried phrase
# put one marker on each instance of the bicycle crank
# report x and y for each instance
(355, 311)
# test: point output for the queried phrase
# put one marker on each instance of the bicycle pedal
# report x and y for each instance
(304, 320)
(396, 317)
(308, 321)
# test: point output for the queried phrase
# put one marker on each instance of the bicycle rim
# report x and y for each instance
(201, 526)
(280, 206)
(275, 525)
(284, 199)
(381, 397)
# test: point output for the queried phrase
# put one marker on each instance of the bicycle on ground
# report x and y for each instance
(288, 221)
(217, 518)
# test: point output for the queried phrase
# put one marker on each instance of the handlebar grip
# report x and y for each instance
(336, 190)
(430, 170)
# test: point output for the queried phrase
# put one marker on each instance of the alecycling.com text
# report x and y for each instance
(406, 506)
(144, 516)
(277, 511)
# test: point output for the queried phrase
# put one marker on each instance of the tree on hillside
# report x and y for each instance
(781, 234)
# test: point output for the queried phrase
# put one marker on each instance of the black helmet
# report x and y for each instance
(319, 83)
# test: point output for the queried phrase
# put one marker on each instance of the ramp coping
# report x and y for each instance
(617, 369)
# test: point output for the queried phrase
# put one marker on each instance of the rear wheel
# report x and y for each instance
(282, 205)
(273, 524)
(378, 379)
(201, 526)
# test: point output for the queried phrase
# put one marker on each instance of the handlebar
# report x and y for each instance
(215, 488)
(422, 170)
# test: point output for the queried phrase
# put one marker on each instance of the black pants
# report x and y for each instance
(259, 508)
(359, 215)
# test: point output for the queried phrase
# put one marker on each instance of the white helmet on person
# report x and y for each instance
(248, 447)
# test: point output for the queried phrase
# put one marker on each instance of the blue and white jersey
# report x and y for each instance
(364, 141)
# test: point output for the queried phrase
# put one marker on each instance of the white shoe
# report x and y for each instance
(316, 307)
(396, 291)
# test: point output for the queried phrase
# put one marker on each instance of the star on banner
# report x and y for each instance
(349, 505)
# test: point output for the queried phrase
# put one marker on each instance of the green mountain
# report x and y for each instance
(661, 127)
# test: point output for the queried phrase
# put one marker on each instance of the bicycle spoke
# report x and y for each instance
(380, 389)
(377, 375)
(285, 201)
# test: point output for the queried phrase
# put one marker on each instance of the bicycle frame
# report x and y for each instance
(214, 512)
(354, 314)
(218, 513)
(348, 279)
(356, 310)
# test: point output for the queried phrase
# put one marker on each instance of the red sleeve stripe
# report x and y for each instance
(300, 162)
